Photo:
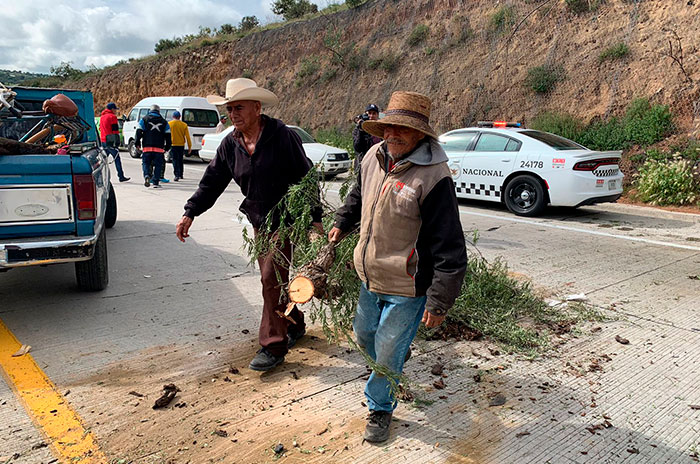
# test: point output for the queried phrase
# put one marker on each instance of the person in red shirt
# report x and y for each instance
(109, 136)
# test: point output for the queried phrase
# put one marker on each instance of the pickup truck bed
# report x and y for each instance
(54, 208)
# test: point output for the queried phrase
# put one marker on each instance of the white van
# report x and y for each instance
(200, 115)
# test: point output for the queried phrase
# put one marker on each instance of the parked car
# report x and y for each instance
(331, 160)
(54, 208)
(528, 169)
(201, 118)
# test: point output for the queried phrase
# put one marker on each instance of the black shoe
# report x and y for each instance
(157, 186)
(147, 182)
(264, 360)
(293, 337)
(176, 179)
(377, 429)
(124, 179)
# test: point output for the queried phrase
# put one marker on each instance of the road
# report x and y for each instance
(188, 314)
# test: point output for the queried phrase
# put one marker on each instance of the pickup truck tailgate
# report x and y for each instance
(36, 196)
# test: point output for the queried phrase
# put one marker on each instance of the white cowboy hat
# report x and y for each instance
(244, 89)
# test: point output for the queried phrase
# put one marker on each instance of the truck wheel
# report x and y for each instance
(93, 275)
(524, 196)
(111, 213)
(133, 150)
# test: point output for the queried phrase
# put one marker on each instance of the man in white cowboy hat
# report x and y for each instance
(265, 158)
(411, 255)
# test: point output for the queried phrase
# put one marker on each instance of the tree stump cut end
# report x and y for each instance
(301, 289)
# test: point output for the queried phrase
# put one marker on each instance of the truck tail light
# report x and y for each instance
(592, 165)
(85, 196)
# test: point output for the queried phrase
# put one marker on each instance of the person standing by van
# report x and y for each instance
(153, 136)
(179, 134)
(222, 124)
(109, 136)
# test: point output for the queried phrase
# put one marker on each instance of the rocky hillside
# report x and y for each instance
(472, 57)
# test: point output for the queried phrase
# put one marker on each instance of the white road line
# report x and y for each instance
(576, 229)
(571, 229)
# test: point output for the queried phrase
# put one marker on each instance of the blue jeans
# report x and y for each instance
(177, 153)
(158, 161)
(117, 159)
(385, 326)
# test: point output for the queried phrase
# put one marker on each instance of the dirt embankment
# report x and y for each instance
(472, 65)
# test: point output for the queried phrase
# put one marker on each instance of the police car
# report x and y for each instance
(528, 169)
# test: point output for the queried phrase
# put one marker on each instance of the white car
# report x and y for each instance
(331, 160)
(528, 169)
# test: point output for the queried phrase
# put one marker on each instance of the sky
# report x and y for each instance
(38, 34)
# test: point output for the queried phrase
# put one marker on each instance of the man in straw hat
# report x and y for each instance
(411, 255)
(265, 158)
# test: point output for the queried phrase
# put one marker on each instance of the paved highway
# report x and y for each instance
(188, 313)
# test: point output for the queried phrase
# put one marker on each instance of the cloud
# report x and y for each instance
(39, 34)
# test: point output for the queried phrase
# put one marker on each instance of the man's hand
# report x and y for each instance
(183, 227)
(431, 320)
(335, 235)
(189, 151)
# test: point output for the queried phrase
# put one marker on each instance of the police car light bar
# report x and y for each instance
(498, 124)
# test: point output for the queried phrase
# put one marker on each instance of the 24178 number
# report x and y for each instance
(532, 164)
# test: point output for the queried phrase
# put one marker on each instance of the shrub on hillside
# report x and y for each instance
(643, 124)
(328, 75)
(667, 182)
(354, 3)
(646, 124)
(542, 79)
(307, 71)
(390, 62)
(614, 52)
(418, 35)
(502, 19)
(604, 135)
(582, 6)
(558, 123)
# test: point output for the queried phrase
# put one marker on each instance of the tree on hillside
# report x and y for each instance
(226, 29)
(167, 44)
(248, 23)
(65, 70)
(292, 9)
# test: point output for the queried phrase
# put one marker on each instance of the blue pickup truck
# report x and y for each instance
(56, 200)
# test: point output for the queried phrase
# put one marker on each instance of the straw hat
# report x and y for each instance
(244, 89)
(409, 109)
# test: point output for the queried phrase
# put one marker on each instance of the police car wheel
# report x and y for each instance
(524, 196)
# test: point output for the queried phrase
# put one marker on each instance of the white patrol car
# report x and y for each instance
(528, 169)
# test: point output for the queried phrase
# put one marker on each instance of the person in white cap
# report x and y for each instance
(411, 255)
(265, 158)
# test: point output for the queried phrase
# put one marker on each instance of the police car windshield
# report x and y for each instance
(554, 141)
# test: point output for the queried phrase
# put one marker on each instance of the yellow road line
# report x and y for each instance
(60, 424)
